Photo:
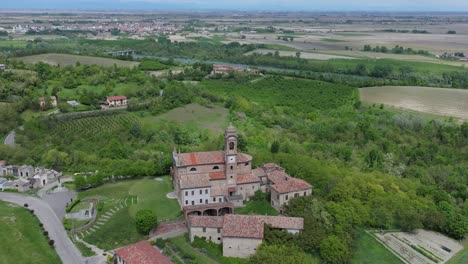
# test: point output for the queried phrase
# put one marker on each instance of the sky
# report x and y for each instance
(274, 5)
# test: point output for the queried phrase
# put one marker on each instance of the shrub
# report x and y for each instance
(70, 206)
(51, 242)
(26, 205)
(45, 233)
(145, 221)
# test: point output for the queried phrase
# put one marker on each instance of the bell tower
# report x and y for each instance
(230, 152)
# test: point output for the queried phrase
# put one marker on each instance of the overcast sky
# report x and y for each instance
(302, 5)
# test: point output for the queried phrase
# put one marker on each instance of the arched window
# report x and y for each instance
(193, 169)
(231, 145)
(216, 168)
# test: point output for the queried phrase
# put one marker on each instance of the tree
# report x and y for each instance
(145, 221)
(56, 159)
(80, 181)
(275, 147)
(276, 254)
(298, 54)
(333, 250)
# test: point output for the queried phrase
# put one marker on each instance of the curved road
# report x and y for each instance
(10, 139)
(63, 245)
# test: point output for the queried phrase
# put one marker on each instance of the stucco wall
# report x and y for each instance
(278, 200)
(197, 198)
(210, 233)
(240, 247)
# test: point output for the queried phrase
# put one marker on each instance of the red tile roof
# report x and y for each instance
(116, 97)
(241, 157)
(251, 226)
(218, 175)
(259, 172)
(245, 226)
(201, 158)
(190, 181)
(277, 176)
(206, 221)
(291, 185)
(247, 178)
(142, 253)
(3, 162)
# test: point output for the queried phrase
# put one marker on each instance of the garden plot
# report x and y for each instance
(422, 247)
(437, 101)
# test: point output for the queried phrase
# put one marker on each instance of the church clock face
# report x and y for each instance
(232, 159)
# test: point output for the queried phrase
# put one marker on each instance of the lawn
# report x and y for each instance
(179, 248)
(67, 59)
(462, 256)
(12, 43)
(369, 250)
(192, 116)
(121, 202)
(21, 238)
(259, 206)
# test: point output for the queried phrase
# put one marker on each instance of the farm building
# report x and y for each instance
(2, 67)
(116, 101)
(240, 235)
(223, 68)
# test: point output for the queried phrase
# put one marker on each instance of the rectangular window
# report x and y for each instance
(204, 230)
(296, 195)
(201, 200)
(214, 199)
(193, 202)
(277, 197)
(286, 197)
(206, 191)
(220, 199)
(186, 201)
(206, 201)
(193, 192)
(186, 193)
(253, 187)
(219, 230)
(305, 193)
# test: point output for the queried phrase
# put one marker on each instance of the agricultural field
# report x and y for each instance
(437, 101)
(67, 59)
(115, 223)
(194, 116)
(21, 238)
(303, 55)
(12, 43)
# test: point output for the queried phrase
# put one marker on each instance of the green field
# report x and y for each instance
(462, 256)
(126, 198)
(332, 40)
(368, 250)
(21, 238)
(67, 59)
(192, 116)
(12, 43)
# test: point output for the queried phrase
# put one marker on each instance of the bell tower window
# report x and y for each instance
(231, 145)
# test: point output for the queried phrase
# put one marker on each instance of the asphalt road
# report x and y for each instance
(63, 245)
(10, 139)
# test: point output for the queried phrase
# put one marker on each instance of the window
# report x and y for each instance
(305, 193)
(206, 191)
(193, 202)
(296, 195)
(231, 145)
(277, 197)
(27, 174)
(210, 238)
(287, 197)
(219, 230)
(193, 192)
(232, 167)
(214, 199)
(220, 199)
(241, 188)
(216, 168)
(204, 230)
(231, 177)
(186, 193)
(186, 201)
(206, 201)
(247, 163)
(193, 169)
(253, 187)
(219, 238)
(201, 200)
(201, 191)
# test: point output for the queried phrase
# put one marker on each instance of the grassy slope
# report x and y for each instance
(462, 256)
(120, 230)
(66, 59)
(369, 250)
(21, 239)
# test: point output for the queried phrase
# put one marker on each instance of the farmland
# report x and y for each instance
(437, 101)
(67, 59)
(304, 55)
(21, 238)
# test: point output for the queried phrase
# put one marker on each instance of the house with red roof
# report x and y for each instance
(241, 235)
(116, 101)
(213, 183)
(140, 253)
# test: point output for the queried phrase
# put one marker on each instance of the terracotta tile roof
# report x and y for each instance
(241, 157)
(245, 226)
(3, 162)
(291, 185)
(200, 158)
(218, 192)
(218, 175)
(277, 176)
(206, 221)
(259, 172)
(247, 178)
(284, 222)
(142, 253)
(189, 181)
(116, 97)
